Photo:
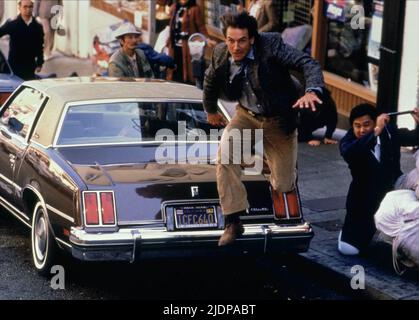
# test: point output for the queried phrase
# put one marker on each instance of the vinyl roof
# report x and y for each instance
(91, 88)
(71, 90)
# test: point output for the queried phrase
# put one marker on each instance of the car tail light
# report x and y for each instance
(286, 204)
(99, 208)
(279, 205)
(91, 208)
(108, 209)
(66, 232)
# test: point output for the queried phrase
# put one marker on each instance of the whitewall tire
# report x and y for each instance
(42, 241)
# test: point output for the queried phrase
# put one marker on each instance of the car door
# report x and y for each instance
(16, 122)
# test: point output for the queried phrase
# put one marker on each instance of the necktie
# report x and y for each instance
(377, 150)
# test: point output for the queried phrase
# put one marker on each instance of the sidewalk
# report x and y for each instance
(60, 64)
(64, 66)
(324, 179)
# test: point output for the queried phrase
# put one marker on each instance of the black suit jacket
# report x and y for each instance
(371, 179)
(26, 46)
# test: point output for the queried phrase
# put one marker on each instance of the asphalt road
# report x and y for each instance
(249, 278)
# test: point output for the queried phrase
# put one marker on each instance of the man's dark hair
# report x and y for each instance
(363, 109)
(240, 21)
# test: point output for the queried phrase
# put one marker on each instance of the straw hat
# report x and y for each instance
(126, 28)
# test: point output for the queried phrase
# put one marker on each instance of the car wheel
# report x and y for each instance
(42, 242)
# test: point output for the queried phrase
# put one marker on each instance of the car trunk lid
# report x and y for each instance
(143, 186)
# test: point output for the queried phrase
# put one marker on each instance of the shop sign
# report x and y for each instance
(335, 10)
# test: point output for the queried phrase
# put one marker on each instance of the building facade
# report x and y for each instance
(368, 48)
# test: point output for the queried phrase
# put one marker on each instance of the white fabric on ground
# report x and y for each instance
(396, 207)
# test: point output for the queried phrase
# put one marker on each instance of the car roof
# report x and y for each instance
(94, 88)
(61, 91)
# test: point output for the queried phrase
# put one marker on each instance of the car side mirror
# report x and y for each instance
(5, 134)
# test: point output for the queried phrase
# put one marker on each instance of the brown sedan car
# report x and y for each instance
(124, 170)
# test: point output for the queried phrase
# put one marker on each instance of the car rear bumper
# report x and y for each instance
(133, 244)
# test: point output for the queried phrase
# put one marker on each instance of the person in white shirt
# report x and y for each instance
(397, 208)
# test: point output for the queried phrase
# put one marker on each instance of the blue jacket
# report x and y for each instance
(156, 59)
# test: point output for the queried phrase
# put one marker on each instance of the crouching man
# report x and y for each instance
(372, 150)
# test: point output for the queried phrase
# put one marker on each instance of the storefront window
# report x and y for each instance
(295, 13)
(296, 23)
(215, 9)
(353, 42)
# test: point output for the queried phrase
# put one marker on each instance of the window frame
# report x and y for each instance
(34, 123)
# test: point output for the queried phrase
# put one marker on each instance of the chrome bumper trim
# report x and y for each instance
(127, 236)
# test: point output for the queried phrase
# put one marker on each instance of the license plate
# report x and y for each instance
(195, 217)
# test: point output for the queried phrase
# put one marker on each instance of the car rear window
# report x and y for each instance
(133, 122)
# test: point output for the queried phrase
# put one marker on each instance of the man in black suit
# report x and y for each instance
(372, 150)
(26, 42)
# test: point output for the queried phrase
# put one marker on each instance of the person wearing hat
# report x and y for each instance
(129, 61)
(26, 44)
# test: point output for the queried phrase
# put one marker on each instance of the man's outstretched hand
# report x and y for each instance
(309, 100)
(216, 119)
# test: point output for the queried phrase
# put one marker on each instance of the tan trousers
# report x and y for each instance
(280, 151)
(49, 34)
